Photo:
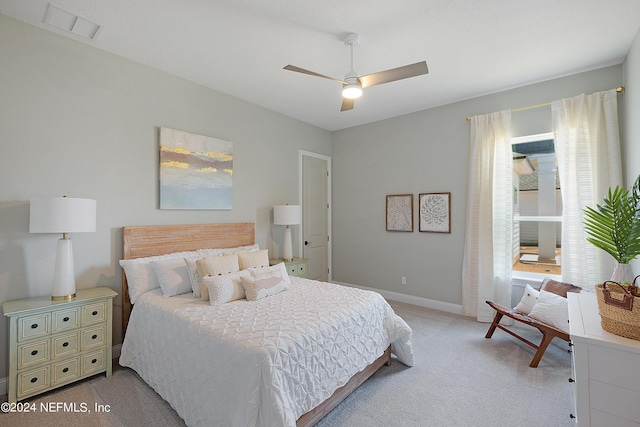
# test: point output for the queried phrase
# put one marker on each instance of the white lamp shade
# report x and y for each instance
(287, 215)
(62, 215)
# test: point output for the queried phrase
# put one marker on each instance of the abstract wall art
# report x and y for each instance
(196, 171)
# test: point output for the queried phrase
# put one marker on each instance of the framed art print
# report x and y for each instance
(435, 212)
(196, 171)
(400, 212)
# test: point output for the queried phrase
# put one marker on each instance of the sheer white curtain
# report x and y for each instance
(486, 268)
(587, 144)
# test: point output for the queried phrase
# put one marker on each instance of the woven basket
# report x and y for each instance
(619, 308)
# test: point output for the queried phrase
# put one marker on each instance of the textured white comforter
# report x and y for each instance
(259, 363)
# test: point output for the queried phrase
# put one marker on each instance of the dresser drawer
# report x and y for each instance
(66, 319)
(614, 400)
(614, 367)
(302, 269)
(94, 313)
(34, 326)
(33, 353)
(66, 344)
(93, 337)
(65, 371)
(31, 382)
(93, 362)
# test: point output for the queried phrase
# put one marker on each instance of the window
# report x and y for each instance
(537, 230)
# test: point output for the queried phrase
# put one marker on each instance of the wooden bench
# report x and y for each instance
(548, 331)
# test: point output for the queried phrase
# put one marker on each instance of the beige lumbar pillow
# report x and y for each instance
(253, 259)
(215, 266)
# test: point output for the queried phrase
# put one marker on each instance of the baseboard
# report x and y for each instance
(115, 354)
(411, 299)
(115, 351)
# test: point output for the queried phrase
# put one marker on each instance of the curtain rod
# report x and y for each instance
(619, 89)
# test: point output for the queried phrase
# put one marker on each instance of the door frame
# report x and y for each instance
(301, 236)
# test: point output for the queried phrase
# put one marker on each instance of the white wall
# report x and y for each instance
(423, 152)
(80, 122)
(631, 128)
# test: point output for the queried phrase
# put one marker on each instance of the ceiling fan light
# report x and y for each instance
(351, 91)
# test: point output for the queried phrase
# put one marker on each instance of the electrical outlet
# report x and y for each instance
(403, 280)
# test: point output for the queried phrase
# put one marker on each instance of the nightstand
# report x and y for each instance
(54, 343)
(297, 267)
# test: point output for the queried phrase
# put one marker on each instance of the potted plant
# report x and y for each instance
(614, 227)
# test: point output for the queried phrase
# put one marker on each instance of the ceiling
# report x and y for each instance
(239, 47)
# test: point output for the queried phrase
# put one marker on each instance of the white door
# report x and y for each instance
(315, 216)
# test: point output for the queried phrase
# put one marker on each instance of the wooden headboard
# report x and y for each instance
(145, 241)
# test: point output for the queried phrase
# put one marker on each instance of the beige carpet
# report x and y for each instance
(460, 379)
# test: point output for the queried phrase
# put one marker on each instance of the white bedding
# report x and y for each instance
(259, 363)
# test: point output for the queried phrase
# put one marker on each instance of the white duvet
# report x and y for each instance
(259, 363)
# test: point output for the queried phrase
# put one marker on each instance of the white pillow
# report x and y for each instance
(225, 288)
(228, 251)
(263, 286)
(194, 276)
(215, 266)
(528, 300)
(173, 276)
(279, 269)
(552, 309)
(140, 275)
(253, 259)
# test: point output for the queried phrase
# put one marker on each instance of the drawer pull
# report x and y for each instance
(94, 313)
(65, 344)
(33, 380)
(34, 326)
(94, 360)
(65, 370)
(66, 319)
(34, 352)
(94, 336)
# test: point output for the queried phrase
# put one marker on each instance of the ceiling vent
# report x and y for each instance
(69, 22)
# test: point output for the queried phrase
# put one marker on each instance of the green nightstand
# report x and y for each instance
(297, 267)
(54, 343)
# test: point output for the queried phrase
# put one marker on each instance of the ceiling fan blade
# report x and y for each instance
(394, 74)
(311, 73)
(347, 104)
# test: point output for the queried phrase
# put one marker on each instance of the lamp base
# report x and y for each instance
(287, 251)
(63, 297)
(64, 283)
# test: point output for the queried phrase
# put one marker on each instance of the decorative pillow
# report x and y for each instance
(225, 288)
(528, 300)
(140, 275)
(552, 309)
(279, 270)
(558, 288)
(194, 276)
(215, 266)
(262, 286)
(253, 259)
(173, 276)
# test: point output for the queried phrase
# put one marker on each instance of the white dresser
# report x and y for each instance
(53, 343)
(606, 369)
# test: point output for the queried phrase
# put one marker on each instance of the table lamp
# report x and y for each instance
(287, 215)
(62, 215)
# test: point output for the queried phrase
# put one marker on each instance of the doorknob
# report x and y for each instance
(306, 242)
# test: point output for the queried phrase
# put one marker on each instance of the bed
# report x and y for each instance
(283, 360)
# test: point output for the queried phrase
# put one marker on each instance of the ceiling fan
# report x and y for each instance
(352, 84)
